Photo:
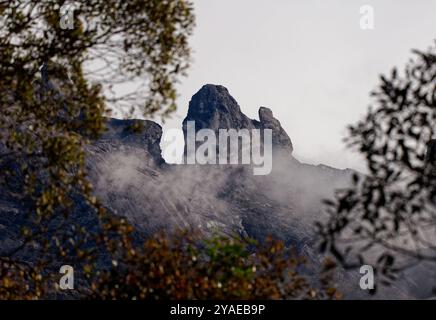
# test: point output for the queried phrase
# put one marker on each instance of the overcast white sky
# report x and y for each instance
(307, 60)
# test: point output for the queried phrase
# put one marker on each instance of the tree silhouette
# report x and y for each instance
(387, 217)
(57, 85)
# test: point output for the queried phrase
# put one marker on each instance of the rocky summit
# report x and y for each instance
(133, 180)
(212, 107)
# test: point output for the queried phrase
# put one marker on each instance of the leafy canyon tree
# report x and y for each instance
(63, 66)
(387, 218)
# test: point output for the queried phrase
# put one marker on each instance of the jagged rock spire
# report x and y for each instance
(214, 108)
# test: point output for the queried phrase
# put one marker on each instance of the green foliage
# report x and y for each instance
(57, 86)
(192, 267)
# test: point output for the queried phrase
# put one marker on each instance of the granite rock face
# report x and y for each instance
(120, 135)
(280, 137)
(212, 107)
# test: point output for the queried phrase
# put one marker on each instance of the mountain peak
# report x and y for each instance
(213, 107)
